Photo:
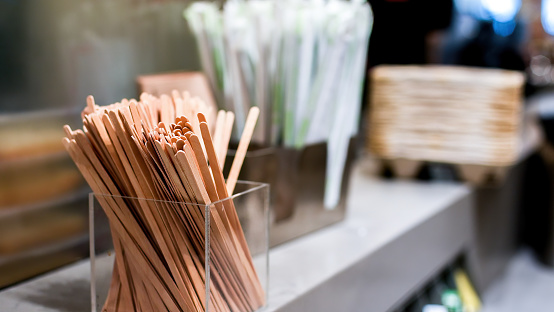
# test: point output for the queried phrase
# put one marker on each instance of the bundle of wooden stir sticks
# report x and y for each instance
(161, 149)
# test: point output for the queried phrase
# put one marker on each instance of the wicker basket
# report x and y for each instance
(446, 114)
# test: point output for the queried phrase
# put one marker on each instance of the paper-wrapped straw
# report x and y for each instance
(301, 62)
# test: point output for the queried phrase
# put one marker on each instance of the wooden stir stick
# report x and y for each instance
(243, 147)
(124, 150)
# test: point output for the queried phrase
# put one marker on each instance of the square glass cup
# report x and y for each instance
(226, 243)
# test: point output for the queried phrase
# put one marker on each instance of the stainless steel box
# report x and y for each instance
(297, 180)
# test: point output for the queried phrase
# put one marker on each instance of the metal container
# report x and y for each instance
(297, 180)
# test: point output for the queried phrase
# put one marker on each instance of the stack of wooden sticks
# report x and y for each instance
(447, 114)
(153, 167)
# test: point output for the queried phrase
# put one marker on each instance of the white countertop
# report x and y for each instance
(379, 213)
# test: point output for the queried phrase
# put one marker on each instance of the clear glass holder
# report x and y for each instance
(214, 258)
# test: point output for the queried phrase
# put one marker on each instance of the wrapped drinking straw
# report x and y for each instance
(302, 63)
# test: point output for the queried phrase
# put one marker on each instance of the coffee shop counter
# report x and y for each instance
(396, 236)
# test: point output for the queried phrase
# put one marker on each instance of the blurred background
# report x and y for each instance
(53, 53)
